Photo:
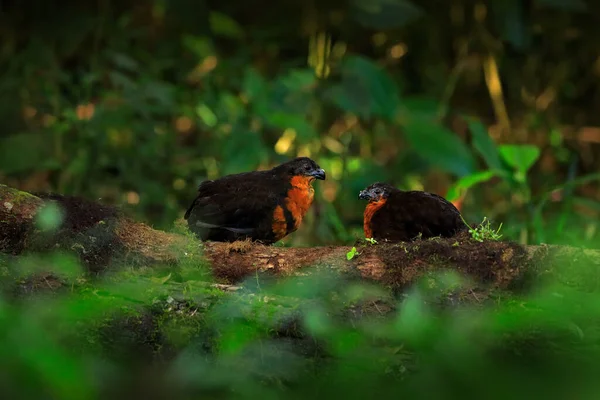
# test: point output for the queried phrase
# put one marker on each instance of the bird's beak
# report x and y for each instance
(363, 195)
(318, 173)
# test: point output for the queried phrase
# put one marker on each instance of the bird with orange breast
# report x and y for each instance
(398, 215)
(263, 206)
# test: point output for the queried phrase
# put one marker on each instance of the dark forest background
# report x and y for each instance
(136, 102)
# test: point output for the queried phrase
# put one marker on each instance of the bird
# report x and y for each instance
(263, 206)
(396, 215)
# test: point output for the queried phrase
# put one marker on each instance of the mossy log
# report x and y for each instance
(103, 237)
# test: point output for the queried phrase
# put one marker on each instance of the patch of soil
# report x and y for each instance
(490, 262)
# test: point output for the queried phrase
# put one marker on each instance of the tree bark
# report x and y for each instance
(102, 237)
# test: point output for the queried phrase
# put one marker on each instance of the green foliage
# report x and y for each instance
(520, 157)
(484, 231)
(352, 253)
(365, 90)
(484, 145)
(439, 146)
(441, 338)
(461, 186)
(136, 105)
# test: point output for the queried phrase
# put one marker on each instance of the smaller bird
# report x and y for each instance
(263, 206)
(398, 215)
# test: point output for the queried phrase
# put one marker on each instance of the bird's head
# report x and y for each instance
(302, 166)
(376, 192)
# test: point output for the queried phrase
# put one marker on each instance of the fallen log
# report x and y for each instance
(103, 237)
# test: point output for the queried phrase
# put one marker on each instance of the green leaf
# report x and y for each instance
(230, 107)
(350, 255)
(206, 115)
(439, 146)
(484, 144)
(420, 106)
(366, 89)
(201, 47)
(224, 25)
(384, 14)
(467, 182)
(299, 79)
(254, 85)
(283, 120)
(520, 157)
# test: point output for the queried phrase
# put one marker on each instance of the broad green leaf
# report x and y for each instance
(420, 106)
(365, 89)
(467, 182)
(224, 25)
(439, 146)
(520, 157)
(384, 14)
(484, 144)
(299, 79)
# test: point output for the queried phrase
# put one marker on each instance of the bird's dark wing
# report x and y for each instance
(408, 214)
(432, 214)
(239, 203)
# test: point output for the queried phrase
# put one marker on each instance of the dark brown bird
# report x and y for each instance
(264, 206)
(398, 215)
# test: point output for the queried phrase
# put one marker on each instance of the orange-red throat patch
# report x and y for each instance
(370, 210)
(300, 198)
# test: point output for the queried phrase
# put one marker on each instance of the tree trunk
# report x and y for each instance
(102, 235)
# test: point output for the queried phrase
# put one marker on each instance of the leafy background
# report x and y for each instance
(492, 104)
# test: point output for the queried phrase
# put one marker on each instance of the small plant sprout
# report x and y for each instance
(371, 240)
(484, 231)
(353, 252)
